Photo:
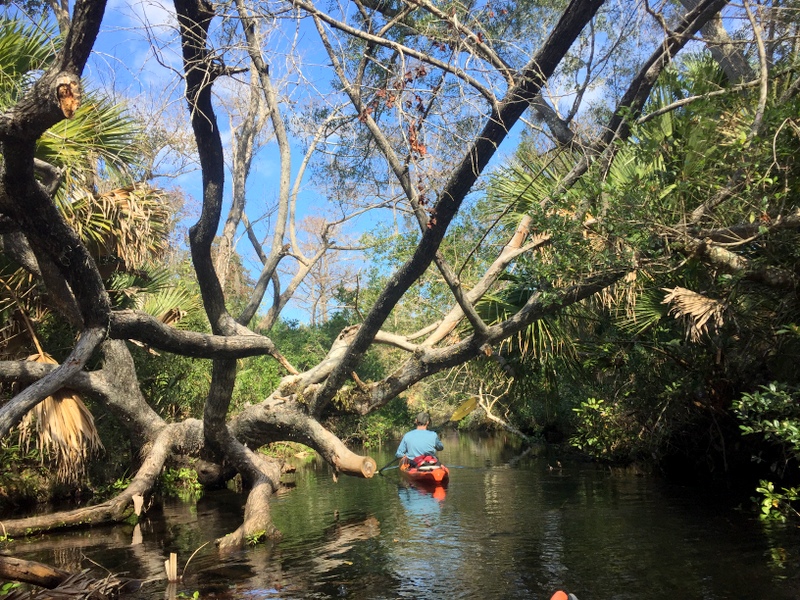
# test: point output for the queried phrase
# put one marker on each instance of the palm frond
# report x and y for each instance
(520, 187)
(156, 291)
(640, 316)
(698, 311)
(172, 306)
(64, 429)
(101, 137)
(541, 339)
(25, 49)
(129, 224)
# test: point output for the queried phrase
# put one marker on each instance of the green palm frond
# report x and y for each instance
(128, 288)
(643, 314)
(542, 338)
(101, 139)
(156, 291)
(24, 49)
(520, 187)
(173, 306)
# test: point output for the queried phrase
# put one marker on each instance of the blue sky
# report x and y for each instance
(137, 55)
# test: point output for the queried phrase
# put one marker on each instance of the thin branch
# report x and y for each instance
(421, 56)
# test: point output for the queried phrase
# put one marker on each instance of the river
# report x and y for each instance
(506, 527)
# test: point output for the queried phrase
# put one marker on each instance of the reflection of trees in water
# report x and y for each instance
(342, 538)
(348, 554)
(68, 557)
(501, 532)
(492, 449)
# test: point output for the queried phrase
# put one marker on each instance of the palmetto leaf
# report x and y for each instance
(24, 50)
(157, 292)
(542, 338)
(129, 224)
(698, 311)
(520, 187)
(100, 137)
(64, 429)
(646, 312)
(171, 306)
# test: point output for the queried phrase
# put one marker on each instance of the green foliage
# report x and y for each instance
(773, 412)
(374, 429)
(618, 370)
(256, 538)
(23, 478)
(111, 489)
(181, 483)
(157, 291)
(288, 450)
(9, 586)
(25, 49)
(776, 505)
(174, 386)
(102, 139)
(600, 429)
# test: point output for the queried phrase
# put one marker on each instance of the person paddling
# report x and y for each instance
(420, 445)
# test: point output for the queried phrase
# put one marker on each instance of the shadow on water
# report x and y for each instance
(506, 527)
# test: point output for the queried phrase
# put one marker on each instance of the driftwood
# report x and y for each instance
(61, 584)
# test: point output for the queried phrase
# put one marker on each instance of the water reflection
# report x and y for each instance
(425, 553)
(505, 528)
(341, 538)
(420, 502)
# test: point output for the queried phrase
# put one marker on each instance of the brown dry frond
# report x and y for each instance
(129, 223)
(64, 429)
(624, 295)
(698, 311)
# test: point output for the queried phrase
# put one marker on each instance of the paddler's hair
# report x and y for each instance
(423, 418)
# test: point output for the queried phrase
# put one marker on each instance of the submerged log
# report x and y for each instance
(60, 584)
(28, 571)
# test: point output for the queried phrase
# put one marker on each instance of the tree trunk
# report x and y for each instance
(28, 571)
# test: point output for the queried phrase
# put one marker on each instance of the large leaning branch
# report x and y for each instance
(503, 117)
(137, 325)
(428, 361)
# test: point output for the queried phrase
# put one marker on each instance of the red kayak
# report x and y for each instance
(426, 474)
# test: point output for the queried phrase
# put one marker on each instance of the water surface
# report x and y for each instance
(505, 528)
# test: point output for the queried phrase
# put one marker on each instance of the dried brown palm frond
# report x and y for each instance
(622, 294)
(64, 429)
(698, 311)
(130, 224)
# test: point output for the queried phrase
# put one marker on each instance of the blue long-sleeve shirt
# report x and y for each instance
(418, 442)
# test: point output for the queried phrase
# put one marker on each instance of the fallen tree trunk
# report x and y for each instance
(28, 571)
(60, 583)
(80, 517)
